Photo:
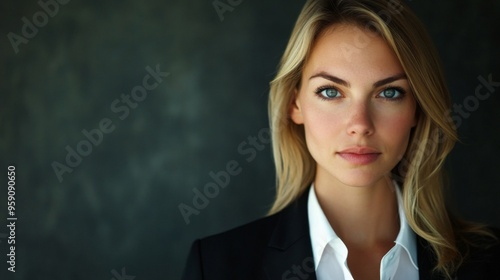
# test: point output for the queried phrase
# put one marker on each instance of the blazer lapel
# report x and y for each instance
(426, 261)
(289, 254)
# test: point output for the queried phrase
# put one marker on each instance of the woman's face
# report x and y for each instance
(356, 107)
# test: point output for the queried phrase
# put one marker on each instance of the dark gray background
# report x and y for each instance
(119, 207)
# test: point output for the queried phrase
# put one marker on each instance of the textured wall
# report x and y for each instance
(118, 207)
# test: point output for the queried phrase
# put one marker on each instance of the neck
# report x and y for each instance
(361, 216)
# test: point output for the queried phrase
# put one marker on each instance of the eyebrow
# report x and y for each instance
(339, 81)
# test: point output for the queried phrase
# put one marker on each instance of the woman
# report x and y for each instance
(360, 126)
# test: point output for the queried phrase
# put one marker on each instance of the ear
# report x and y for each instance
(296, 109)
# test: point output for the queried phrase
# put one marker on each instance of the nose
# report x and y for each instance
(360, 120)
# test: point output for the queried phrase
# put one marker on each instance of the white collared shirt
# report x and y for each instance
(330, 252)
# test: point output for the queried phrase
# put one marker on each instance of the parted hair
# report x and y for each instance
(420, 171)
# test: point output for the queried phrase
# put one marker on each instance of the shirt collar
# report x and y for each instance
(406, 237)
(320, 229)
(322, 233)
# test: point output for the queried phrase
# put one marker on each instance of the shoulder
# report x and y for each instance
(267, 246)
(252, 234)
(234, 254)
(484, 257)
(489, 248)
(280, 229)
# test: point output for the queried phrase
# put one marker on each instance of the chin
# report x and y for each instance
(359, 183)
(360, 179)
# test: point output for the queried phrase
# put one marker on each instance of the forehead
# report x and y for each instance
(346, 50)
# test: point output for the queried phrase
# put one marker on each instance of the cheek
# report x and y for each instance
(321, 126)
(395, 129)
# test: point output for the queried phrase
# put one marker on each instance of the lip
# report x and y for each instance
(360, 155)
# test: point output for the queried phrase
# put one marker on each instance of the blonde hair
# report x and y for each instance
(432, 139)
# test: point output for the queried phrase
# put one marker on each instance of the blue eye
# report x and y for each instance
(327, 93)
(392, 93)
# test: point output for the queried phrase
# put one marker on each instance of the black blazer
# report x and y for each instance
(278, 247)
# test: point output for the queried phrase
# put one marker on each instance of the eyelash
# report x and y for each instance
(322, 88)
(399, 89)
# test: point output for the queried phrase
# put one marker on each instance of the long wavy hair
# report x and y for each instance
(420, 171)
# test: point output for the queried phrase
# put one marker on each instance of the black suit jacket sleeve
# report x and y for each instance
(278, 247)
(275, 247)
(193, 268)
